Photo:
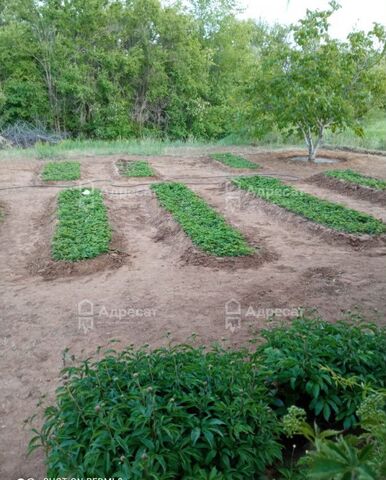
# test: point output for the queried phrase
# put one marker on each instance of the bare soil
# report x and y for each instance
(155, 281)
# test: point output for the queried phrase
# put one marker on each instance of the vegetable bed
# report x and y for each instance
(83, 229)
(234, 161)
(138, 168)
(324, 212)
(356, 178)
(207, 229)
(56, 171)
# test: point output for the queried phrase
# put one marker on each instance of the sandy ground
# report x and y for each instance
(154, 281)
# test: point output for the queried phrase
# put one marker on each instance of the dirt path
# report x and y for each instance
(157, 288)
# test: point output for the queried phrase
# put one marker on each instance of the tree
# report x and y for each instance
(310, 81)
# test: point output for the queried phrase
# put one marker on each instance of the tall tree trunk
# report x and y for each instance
(313, 145)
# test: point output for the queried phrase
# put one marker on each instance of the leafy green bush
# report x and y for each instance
(234, 161)
(302, 361)
(172, 413)
(207, 229)
(356, 178)
(360, 456)
(138, 168)
(83, 229)
(324, 212)
(55, 171)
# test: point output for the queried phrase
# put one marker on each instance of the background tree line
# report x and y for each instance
(121, 68)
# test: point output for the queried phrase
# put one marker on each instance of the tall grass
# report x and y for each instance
(374, 138)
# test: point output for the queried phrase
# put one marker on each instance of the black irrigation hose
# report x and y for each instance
(189, 182)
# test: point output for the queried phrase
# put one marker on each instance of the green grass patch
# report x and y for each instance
(83, 229)
(55, 171)
(234, 161)
(358, 179)
(206, 228)
(138, 168)
(324, 212)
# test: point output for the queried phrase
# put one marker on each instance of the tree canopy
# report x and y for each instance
(111, 69)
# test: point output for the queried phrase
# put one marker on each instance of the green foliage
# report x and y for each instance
(302, 361)
(83, 229)
(361, 456)
(207, 229)
(324, 212)
(138, 168)
(307, 81)
(234, 161)
(356, 178)
(55, 171)
(154, 69)
(173, 413)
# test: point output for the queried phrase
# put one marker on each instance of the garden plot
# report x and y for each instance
(352, 183)
(40, 310)
(80, 242)
(83, 229)
(206, 228)
(334, 216)
(61, 171)
(234, 161)
(135, 168)
(199, 234)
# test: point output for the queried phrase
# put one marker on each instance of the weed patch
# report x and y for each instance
(55, 171)
(138, 168)
(207, 229)
(324, 212)
(234, 161)
(83, 230)
(356, 178)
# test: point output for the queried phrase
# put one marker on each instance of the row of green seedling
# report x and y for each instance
(66, 171)
(234, 161)
(61, 171)
(323, 212)
(207, 229)
(83, 229)
(355, 178)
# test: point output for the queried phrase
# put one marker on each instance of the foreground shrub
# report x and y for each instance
(333, 456)
(324, 212)
(56, 171)
(356, 178)
(172, 413)
(83, 229)
(303, 362)
(207, 228)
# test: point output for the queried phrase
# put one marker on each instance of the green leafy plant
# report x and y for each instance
(139, 168)
(234, 161)
(83, 229)
(55, 171)
(207, 229)
(324, 212)
(356, 178)
(303, 362)
(176, 412)
(353, 457)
